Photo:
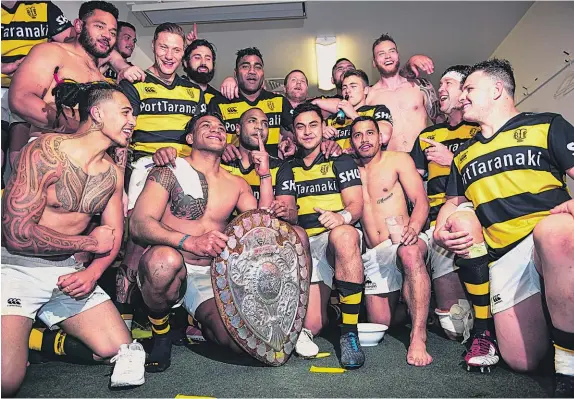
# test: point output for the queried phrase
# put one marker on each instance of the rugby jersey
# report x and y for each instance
(111, 75)
(275, 106)
(162, 112)
(281, 176)
(437, 175)
(320, 185)
(208, 94)
(378, 112)
(515, 177)
(27, 24)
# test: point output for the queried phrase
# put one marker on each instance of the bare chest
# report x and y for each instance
(76, 191)
(406, 98)
(74, 69)
(380, 184)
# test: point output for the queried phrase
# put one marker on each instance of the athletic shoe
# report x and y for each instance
(564, 386)
(305, 347)
(482, 352)
(194, 334)
(352, 356)
(129, 366)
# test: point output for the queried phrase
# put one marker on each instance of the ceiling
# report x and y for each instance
(449, 32)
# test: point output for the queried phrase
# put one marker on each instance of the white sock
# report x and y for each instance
(564, 360)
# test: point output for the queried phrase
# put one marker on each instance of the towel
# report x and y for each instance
(188, 178)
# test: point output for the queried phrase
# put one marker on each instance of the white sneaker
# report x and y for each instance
(129, 366)
(305, 347)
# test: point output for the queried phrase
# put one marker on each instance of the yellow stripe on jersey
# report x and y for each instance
(252, 178)
(183, 150)
(501, 235)
(511, 183)
(378, 112)
(529, 136)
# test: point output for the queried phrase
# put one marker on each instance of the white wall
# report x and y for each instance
(535, 48)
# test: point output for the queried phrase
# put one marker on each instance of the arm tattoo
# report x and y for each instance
(162, 176)
(432, 103)
(39, 166)
(121, 157)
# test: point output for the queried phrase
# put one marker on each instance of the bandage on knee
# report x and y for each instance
(477, 250)
(458, 320)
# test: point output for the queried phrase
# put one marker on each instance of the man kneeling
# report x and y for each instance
(59, 183)
(181, 214)
(387, 176)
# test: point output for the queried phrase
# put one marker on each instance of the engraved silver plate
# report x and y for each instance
(261, 283)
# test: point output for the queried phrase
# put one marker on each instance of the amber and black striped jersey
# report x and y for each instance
(281, 176)
(208, 94)
(275, 106)
(26, 24)
(320, 185)
(378, 112)
(111, 75)
(162, 112)
(437, 175)
(515, 177)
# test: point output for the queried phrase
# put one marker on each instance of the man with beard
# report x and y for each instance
(183, 223)
(355, 90)
(296, 87)
(40, 21)
(125, 45)
(51, 63)
(60, 181)
(164, 103)
(513, 171)
(433, 154)
(410, 100)
(390, 178)
(249, 74)
(199, 65)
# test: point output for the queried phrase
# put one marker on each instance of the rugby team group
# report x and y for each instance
(394, 189)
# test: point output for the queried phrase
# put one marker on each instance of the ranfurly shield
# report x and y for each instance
(261, 284)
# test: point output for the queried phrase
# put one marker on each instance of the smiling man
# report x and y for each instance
(164, 103)
(125, 45)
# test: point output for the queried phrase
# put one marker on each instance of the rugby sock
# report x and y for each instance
(58, 343)
(350, 295)
(474, 273)
(160, 357)
(127, 312)
(563, 351)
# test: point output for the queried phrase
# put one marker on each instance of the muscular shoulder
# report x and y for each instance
(163, 176)
(48, 51)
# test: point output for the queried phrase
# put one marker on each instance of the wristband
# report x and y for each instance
(346, 216)
(265, 176)
(180, 246)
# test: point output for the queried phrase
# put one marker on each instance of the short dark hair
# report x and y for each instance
(245, 52)
(337, 63)
(190, 126)
(169, 27)
(307, 106)
(385, 37)
(88, 8)
(83, 95)
(358, 73)
(462, 69)
(124, 24)
(199, 43)
(364, 118)
(497, 68)
(293, 71)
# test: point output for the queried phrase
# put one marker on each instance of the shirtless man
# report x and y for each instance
(48, 203)
(387, 176)
(49, 63)
(410, 100)
(183, 227)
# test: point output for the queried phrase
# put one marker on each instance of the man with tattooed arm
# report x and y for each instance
(59, 182)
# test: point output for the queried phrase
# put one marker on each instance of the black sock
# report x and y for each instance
(350, 295)
(475, 275)
(59, 344)
(160, 357)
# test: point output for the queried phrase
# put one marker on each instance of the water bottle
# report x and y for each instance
(340, 117)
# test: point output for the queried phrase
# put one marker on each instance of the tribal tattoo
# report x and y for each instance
(183, 206)
(40, 165)
(121, 157)
(432, 103)
(125, 284)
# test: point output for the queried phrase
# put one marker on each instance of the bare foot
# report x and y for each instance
(417, 354)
